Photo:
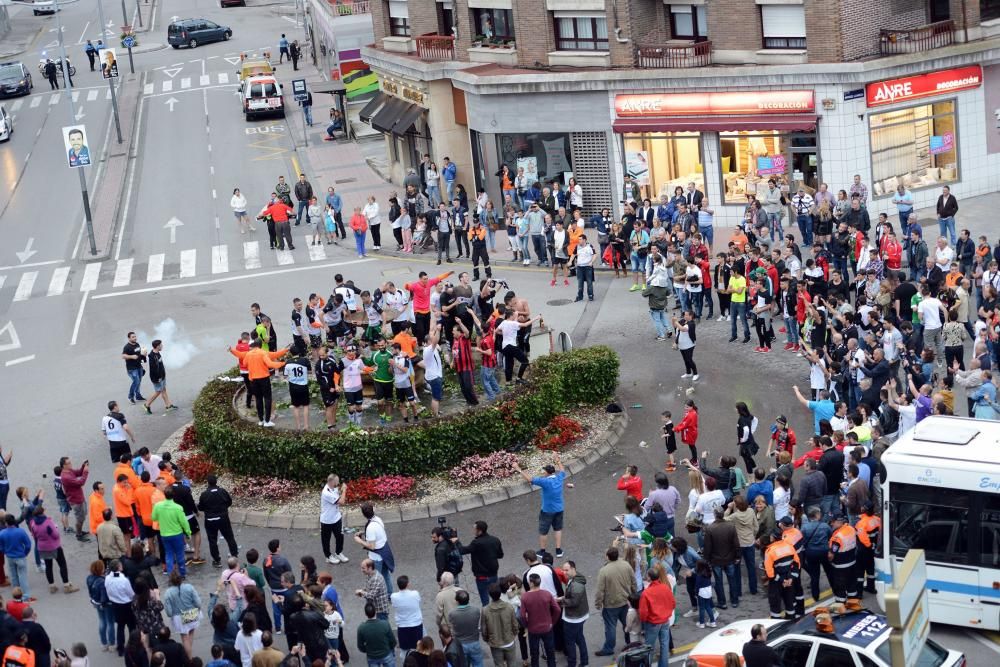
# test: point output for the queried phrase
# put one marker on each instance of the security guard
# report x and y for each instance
(868, 528)
(792, 535)
(781, 564)
(843, 556)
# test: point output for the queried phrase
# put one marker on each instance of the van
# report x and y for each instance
(252, 67)
(192, 32)
(261, 96)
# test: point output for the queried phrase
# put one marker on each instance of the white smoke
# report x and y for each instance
(178, 347)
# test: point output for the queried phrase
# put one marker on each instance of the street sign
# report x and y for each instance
(128, 42)
(77, 146)
(299, 90)
(109, 63)
(855, 94)
(906, 607)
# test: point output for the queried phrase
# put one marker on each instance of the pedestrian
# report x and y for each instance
(173, 527)
(686, 341)
(303, 193)
(121, 594)
(575, 612)
(49, 541)
(463, 621)
(500, 628)
(782, 567)
(51, 73)
(91, 52)
(134, 357)
(539, 613)
(98, 595)
(756, 652)
(656, 611)
(512, 330)
(332, 499)
(239, 205)
(376, 542)
(283, 49)
(359, 225)
(463, 363)
(214, 503)
(307, 108)
(406, 610)
(296, 371)
(158, 376)
(295, 52)
(73, 481)
(248, 641)
(182, 496)
(947, 207)
(688, 429)
(842, 555)
(478, 237)
(118, 432)
(485, 552)
(374, 219)
(615, 584)
(550, 516)
(275, 567)
(488, 366)
(16, 545)
(259, 363)
(182, 605)
(703, 585)
(278, 211)
(585, 255)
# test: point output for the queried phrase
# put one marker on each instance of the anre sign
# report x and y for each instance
(907, 88)
(712, 103)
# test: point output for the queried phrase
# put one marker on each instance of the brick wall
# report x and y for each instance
(533, 32)
(466, 29)
(824, 30)
(646, 21)
(971, 13)
(423, 17)
(862, 20)
(622, 55)
(380, 19)
(734, 25)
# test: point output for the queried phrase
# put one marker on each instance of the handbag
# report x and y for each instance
(190, 615)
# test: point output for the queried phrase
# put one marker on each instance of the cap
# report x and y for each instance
(786, 521)
(781, 419)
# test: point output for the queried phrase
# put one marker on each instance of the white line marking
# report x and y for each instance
(154, 270)
(16, 106)
(186, 82)
(220, 259)
(58, 283)
(148, 89)
(30, 265)
(91, 95)
(251, 255)
(168, 86)
(128, 190)
(19, 360)
(226, 279)
(214, 195)
(3, 279)
(317, 253)
(90, 276)
(188, 263)
(123, 272)
(211, 170)
(223, 77)
(285, 257)
(54, 98)
(24, 287)
(194, 90)
(83, 34)
(35, 102)
(204, 80)
(76, 95)
(79, 318)
(107, 94)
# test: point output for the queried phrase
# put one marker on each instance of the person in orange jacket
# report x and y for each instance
(96, 506)
(124, 467)
(144, 504)
(123, 498)
(259, 364)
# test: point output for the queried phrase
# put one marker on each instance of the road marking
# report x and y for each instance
(220, 259)
(154, 269)
(76, 95)
(172, 71)
(189, 263)
(25, 286)
(54, 98)
(226, 279)
(223, 77)
(148, 89)
(3, 279)
(168, 86)
(91, 95)
(83, 34)
(317, 253)
(90, 275)
(186, 82)
(79, 318)
(123, 272)
(58, 283)
(35, 102)
(107, 94)
(285, 257)
(214, 195)
(14, 108)
(204, 80)
(19, 360)
(251, 255)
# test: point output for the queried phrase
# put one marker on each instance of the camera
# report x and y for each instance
(447, 532)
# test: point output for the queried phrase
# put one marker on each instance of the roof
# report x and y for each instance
(948, 441)
(857, 628)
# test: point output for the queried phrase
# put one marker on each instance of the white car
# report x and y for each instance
(43, 7)
(6, 124)
(858, 639)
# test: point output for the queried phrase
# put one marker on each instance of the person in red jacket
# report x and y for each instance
(72, 482)
(892, 251)
(243, 346)
(631, 483)
(656, 607)
(688, 429)
(359, 225)
(420, 291)
(706, 284)
(276, 213)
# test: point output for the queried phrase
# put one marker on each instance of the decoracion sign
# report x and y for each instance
(916, 87)
(712, 103)
(942, 144)
(774, 164)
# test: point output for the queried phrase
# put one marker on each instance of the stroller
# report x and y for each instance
(635, 655)
(423, 240)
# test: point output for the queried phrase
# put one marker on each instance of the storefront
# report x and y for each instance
(727, 143)
(398, 111)
(913, 129)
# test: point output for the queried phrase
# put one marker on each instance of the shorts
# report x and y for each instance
(373, 332)
(298, 343)
(546, 520)
(670, 444)
(126, 525)
(409, 636)
(560, 261)
(146, 532)
(299, 394)
(329, 397)
(437, 388)
(383, 391)
(64, 506)
(160, 386)
(405, 394)
(638, 263)
(315, 341)
(117, 448)
(239, 214)
(354, 397)
(193, 522)
(80, 512)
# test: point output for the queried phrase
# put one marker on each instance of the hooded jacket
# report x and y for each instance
(575, 603)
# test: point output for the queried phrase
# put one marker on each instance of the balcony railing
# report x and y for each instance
(435, 47)
(693, 54)
(915, 40)
(349, 7)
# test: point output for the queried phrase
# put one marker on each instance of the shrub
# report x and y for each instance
(268, 488)
(196, 466)
(387, 487)
(558, 382)
(561, 432)
(477, 468)
(189, 440)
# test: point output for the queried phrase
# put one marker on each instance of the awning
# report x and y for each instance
(388, 115)
(336, 87)
(783, 123)
(374, 104)
(406, 121)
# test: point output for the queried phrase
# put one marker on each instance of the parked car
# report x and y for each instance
(192, 32)
(6, 124)
(261, 96)
(15, 79)
(43, 7)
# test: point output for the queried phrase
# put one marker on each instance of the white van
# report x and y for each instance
(261, 96)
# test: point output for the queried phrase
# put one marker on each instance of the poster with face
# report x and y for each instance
(75, 141)
(991, 90)
(109, 63)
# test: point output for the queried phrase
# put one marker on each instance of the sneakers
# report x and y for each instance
(670, 467)
(526, 262)
(552, 283)
(789, 346)
(690, 613)
(713, 624)
(560, 553)
(342, 558)
(70, 588)
(634, 288)
(701, 626)
(217, 564)
(565, 281)
(197, 561)
(171, 407)
(685, 376)
(694, 378)
(333, 560)
(53, 588)
(260, 423)
(716, 617)
(661, 338)
(721, 318)
(147, 408)
(268, 424)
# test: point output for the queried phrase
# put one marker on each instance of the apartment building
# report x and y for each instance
(723, 93)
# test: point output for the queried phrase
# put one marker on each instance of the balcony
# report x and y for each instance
(916, 40)
(435, 48)
(673, 56)
(349, 7)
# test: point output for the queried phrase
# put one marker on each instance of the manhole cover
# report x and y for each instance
(558, 302)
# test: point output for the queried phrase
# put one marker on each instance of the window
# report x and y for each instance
(494, 24)
(399, 18)
(832, 656)
(916, 147)
(581, 33)
(784, 26)
(688, 22)
(934, 520)
(660, 162)
(750, 158)
(446, 17)
(989, 527)
(794, 651)
(544, 156)
(989, 10)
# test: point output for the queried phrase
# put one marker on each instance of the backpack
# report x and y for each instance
(454, 559)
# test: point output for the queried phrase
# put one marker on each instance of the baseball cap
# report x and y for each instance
(786, 521)
(782, 419)
(839, 516)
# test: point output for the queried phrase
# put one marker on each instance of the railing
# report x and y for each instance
(694, 54)
(349, 8)
(435, 47)
(915, 40)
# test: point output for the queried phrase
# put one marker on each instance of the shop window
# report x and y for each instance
(916, 147)
(989, 10)
(581, 33)
(688, 22)
(749, 159)
(784, 26)
(495, 25)
(399, 18)
(663, 161)
(544, 156)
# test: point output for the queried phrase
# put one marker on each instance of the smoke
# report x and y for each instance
(178, 347)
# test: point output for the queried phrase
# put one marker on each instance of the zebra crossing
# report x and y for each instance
(187, 82)
(38, 99)
(158, 268)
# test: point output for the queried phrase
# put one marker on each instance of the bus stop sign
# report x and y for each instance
(299, 90)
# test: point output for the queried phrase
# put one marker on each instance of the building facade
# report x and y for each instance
(723, 93)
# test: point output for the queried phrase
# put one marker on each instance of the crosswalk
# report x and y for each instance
(53, 98)
(131, 272)
(186, 82)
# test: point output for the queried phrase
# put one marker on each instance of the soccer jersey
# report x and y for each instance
(113, 426)
(352, 374)
(380, 360)
(401, 371)
(297, 371)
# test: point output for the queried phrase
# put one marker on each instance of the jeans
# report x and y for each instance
(611, 618)
(388, 661)
(947, 225)
(805, 223)
(135, 375)
(792, 325)
(738, 311)
(661, 321)
(749, 558)
(585, 276)
(840, 264)
(387, 575)
(697, 302)
(444, 245)
(491, 387)
(706, 611)
(548, 641)
(774, 222)
(359, 243)
(449, 187)
(707, 233)
(106, 625)
(683, 299)
(19, 574)
(473, 654)
(828, 504)
(934, 339)
(483, 586)
(308, 111)
(732, 574)
(173, 545)
(303, 208)
(276, 611)
(434, 195)
(538, 242)
(661, 632)
(904, 217)
(4, 491)
(524, 243)
(573, 635)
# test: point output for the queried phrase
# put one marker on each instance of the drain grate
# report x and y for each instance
(559, 302)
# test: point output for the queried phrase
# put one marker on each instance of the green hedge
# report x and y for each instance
(558, 383)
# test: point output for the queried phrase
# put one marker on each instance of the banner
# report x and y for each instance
(530, 166)
(637, 166)
(555, 157)
(771, 165)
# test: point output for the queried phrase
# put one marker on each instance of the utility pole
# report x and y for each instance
(125, 22)
(111, 79)
(73, 121)
(138, 12)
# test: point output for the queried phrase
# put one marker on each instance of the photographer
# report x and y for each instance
(485, 551)
(447, 551)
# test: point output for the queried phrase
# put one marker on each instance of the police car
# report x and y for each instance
(851, 639)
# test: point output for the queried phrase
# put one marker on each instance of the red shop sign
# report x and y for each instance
(710, 104)
(907, 88)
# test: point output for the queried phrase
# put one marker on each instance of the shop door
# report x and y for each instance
(478, 164)
(805, 171)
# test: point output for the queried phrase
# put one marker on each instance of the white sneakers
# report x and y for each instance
(690, 612)
(337, 559)
(685, 376)
(342, 558)
(527, 262)
(695, 377)
(720, 318)
(268, 424)
(260, 423)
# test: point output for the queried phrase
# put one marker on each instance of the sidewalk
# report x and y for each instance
(24, 30)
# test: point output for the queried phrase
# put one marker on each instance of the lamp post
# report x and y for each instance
(111, 80)
(125, 22)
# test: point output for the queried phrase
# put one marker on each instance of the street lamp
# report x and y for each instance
(111, 80)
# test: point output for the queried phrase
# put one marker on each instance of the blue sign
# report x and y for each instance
(128, 42)
(855, 94)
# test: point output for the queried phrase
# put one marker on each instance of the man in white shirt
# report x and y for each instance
(330, 518)
(375, 540)
(584, 268)
(433, 368)
(943, 254)
(932, 317)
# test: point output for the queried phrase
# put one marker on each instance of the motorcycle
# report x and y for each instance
(58, 62)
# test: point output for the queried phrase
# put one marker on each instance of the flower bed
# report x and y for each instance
(387, 487)
(477, 468)
(560, 432)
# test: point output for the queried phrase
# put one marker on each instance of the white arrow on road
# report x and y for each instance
(79, 114)
(170, 103)
(14, 342)
(172, 225)
(26, 254)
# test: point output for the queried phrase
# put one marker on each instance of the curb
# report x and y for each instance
(148, 48)
(353, 518)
